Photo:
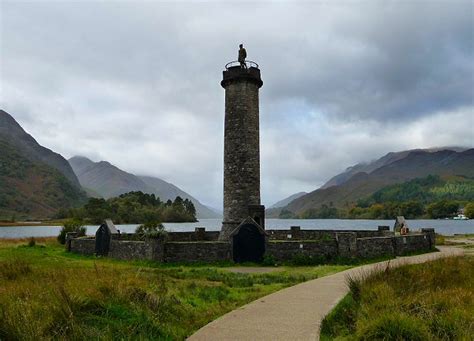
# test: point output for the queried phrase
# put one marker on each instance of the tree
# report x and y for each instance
(411, 209)
(72, 225)
(135, 207)
(286, 214)
(189, 207)
(469, 210)
(152, 229)
(442, 209)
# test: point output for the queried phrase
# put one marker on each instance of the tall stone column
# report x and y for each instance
(241, 146)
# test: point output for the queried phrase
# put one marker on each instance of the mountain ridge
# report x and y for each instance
(287, 200)
(108, 181)
(414, 164)
(35, 182)
(368, 167)
(11, 130)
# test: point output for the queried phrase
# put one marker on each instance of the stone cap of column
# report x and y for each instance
(234, 73)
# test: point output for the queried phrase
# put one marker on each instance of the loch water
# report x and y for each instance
(445, 227)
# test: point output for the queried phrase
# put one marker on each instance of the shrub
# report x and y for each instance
(32, 242)
(303, 260)
(72, 225)
(440, 239)
(355, 287)
(269, 260)
(151, 230)
(394, 326)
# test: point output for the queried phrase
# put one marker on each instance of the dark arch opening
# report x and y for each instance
(102, 241)
(248, 244)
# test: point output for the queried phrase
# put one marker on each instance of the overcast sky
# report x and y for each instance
(138, 83)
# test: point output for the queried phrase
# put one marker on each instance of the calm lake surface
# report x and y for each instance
(446, 227)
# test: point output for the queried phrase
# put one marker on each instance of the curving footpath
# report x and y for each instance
(295, 313)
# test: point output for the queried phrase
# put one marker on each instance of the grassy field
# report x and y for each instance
(432, 301)
(47, 293)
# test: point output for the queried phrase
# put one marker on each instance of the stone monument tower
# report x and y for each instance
(241, 146)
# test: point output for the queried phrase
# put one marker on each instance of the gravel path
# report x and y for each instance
(296, 313)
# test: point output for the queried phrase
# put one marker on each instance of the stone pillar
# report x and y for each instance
(430, 232)
(346, 244)
(156, 248)
(241, 145)
(295, 232)
(200, 233)
(69, 237)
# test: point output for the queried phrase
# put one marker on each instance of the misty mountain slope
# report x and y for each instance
(109, 181)
(383, 161)
(12, 132)
(415, 164)
(106, 179)
(34, 181)
(287, 200)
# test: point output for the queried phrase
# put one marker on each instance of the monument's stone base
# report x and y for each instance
(282, 245)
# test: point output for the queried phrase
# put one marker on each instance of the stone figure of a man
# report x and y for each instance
(242, 56)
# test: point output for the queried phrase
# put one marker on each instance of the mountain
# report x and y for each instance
(106, 180)
(286, 201)
(35, 182)
(403, 167)
(11, 131)
(169, 191)
(383, 161)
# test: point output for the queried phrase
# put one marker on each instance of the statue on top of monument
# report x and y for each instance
(242, 56)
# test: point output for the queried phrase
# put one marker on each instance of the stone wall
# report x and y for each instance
(193, 246)
(373, 247)
(201, 235)
(286, 250)
(297, 233)
(83, 246)
(393, 245)
(197, 251)
(411, 243)
(129, 249)
(346, 244)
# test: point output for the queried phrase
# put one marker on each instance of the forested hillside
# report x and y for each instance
(432, 197)
(339, 200)
(32, 189)
(133, 208)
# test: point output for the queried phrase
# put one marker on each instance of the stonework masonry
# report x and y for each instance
(203, 246)
(241, 145)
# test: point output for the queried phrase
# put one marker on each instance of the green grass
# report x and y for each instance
(432, 301)
(46, 293)
(452, 240)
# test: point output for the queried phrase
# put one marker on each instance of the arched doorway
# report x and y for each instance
(248, 244)
(102, 241)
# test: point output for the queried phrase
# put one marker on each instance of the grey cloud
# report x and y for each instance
(137, 83)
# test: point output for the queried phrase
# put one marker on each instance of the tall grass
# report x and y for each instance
(46, 293)
(13, 268)
(432, 301)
